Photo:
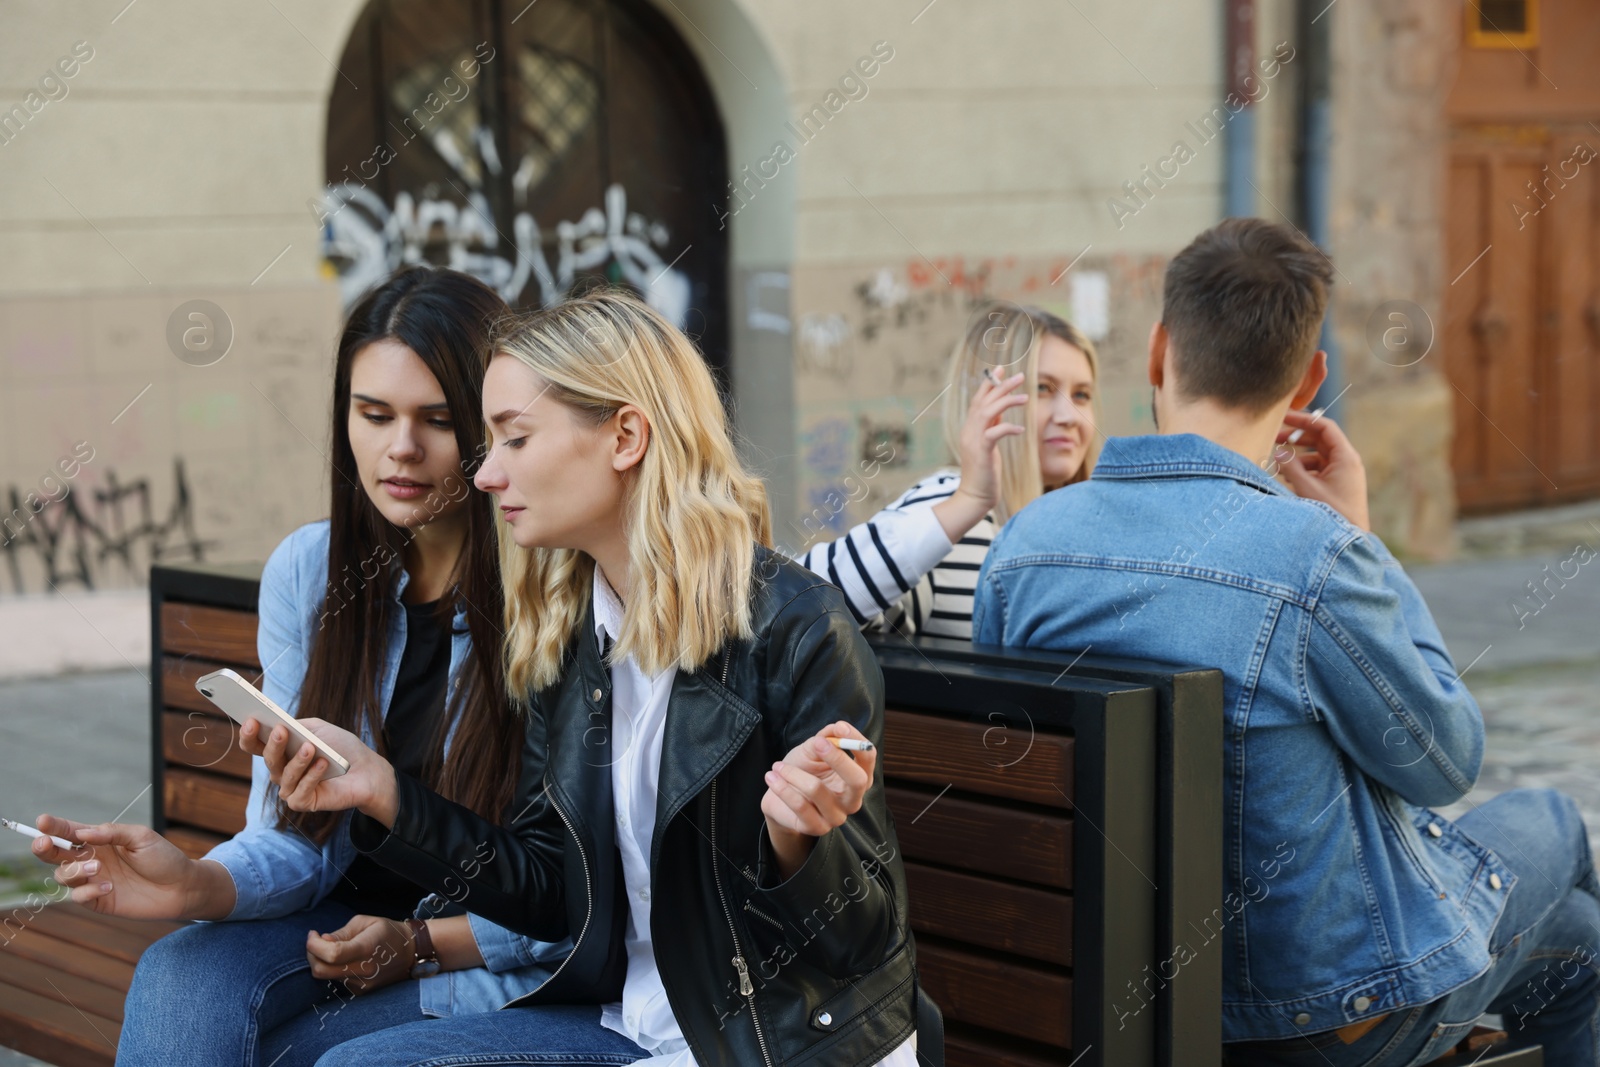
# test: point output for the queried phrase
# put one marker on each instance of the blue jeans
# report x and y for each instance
(1545, 982)
(242, 993)
(550, 1036)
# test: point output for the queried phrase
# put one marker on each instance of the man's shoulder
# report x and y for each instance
(1238, 526)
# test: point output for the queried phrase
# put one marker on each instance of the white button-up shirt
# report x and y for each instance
(638, 725)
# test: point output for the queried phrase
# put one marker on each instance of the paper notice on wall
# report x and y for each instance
(1091, 302)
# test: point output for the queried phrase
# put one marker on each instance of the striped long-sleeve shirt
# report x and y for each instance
(899, 570)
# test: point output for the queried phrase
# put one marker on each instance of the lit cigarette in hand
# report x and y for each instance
(1295, 437)
(850, 744)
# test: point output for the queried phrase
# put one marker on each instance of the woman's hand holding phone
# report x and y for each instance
(134, 872)
(815, 788)
(369, 785)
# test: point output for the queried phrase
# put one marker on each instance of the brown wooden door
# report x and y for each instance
(1521, 331)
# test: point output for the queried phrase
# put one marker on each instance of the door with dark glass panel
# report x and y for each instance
(544, 147)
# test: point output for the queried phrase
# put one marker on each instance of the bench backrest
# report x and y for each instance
(1059, 827)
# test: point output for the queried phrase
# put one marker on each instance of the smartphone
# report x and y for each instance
(243, 702)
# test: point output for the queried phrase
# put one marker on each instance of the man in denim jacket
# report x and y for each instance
(1362, 928)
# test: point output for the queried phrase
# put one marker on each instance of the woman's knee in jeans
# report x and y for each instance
(197, 967)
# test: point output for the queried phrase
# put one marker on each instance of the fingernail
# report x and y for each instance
(92, 867)
(105, 887)
(819, 746)
(1283, 455)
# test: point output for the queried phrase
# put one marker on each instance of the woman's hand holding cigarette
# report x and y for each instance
(815, 788)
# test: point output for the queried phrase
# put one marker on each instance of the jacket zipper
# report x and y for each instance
(758, 913)
(588, 889)
(746, 988)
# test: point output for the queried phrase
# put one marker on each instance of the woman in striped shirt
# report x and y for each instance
(913, 566)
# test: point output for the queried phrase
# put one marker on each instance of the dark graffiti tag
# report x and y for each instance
(72, 539)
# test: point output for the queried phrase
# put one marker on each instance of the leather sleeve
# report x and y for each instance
(510, 875)
(845, 892)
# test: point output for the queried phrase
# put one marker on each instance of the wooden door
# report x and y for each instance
(543, 147)
(1521, 331)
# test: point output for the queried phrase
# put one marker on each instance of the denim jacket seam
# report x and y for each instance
(1142, 566)
(1380, 929)
(1397, 707)
(1191, 468)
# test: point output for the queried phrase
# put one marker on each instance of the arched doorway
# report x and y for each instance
(542, 146)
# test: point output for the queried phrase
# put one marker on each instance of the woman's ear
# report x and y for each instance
(632, 437)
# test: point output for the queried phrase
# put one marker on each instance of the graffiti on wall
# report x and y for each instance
(367, 240)
(90, 532)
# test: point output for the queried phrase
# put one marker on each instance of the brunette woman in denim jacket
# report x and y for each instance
(385, 619)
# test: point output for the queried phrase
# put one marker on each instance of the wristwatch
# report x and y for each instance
(426, 964)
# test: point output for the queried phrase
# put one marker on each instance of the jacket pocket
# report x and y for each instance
(862, 994)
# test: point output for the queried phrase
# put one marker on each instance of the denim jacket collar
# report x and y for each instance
(1179, 455)
(402, 578)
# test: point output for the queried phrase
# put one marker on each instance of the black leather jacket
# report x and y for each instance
(817, 970)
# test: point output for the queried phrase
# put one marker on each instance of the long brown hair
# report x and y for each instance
(445, 317)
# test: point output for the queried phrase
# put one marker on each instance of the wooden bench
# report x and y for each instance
(1059, 828)
(64, 970)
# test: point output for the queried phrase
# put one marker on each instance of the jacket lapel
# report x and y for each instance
(706, 725)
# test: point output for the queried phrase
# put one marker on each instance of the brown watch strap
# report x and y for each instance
(422, 942)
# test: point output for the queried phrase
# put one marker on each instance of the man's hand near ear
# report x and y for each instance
(1331, 469)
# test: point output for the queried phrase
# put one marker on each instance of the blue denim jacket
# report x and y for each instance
(1344, 716)
(277, 872)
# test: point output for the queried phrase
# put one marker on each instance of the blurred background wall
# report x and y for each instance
(191, 193)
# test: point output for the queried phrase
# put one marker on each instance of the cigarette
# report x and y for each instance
(850, 744)
(989, 374)
(27, 831)
(1295, 437)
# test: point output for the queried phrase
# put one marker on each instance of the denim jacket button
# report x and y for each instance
(1434, 831)
(1302, 1019)
(1362, 1004)
(1494, 881)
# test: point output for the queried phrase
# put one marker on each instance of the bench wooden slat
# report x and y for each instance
(1002, 758)
(146, 928)
(195, 843)
(71, 959)
(990, 838)
(229, 637)
(179, 673)
(965, 1047)
(1013, 918)
(73, 990)
(209, 801)
(78, 926)
(36, 1025)
(1012, 998)
(194, 741)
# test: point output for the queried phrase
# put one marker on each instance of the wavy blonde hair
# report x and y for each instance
(1006, 339)
(692, 513)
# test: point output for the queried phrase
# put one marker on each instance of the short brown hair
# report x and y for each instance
(1243, 306)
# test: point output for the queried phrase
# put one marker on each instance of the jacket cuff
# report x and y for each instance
(502, 950)
(248, 889)
(824, 871)
(396, 847)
